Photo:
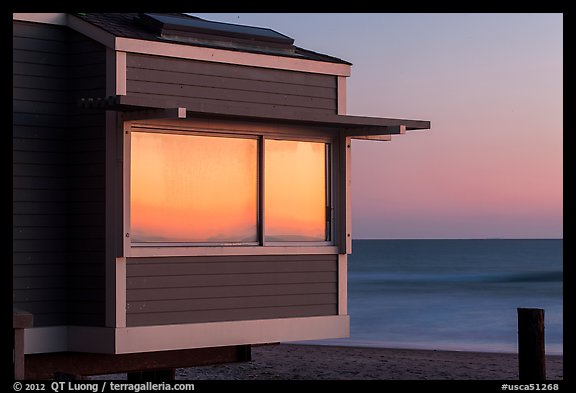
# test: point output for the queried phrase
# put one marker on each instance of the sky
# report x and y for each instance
(492, 87)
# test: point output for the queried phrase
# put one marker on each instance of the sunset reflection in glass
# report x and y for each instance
(295, 191)
(190, 188)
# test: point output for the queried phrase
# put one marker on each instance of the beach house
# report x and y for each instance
(181, 191)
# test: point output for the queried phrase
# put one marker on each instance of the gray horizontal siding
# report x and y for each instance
(143, 294)
(58, 176)
(40, 225)
(179, 81)
(174, 290)
(39, 182)
(36, 57)
(86, 185)
(167, 306)
(36, 95)
(41, 44)
(58, 294)
(219, 280)
(230, 315)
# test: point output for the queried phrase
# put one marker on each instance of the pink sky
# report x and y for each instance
(492, 86)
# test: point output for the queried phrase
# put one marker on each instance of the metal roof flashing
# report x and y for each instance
(189, 25)
(192, 30)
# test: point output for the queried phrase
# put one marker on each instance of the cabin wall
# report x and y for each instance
(179, 82)
(177, 290)
(59, 195)
(58, 169)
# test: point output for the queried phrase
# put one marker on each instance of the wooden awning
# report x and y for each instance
(361, 127)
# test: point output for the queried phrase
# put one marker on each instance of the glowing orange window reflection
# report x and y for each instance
(190, 188)
(295, 191)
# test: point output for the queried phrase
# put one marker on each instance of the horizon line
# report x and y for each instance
(460, 238)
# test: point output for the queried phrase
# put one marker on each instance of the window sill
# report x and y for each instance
(135, 252)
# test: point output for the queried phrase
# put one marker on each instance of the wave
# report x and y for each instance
(540, 276)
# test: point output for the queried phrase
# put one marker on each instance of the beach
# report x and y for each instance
(323, 362)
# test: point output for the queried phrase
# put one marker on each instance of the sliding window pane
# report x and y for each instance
(190, 188)
(295, 191)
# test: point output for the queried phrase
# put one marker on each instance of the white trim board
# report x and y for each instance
(341, 86)
(342, 284)
(135, 252)
(184, 336)
(230, 57)
(42, 17)
(218, 334)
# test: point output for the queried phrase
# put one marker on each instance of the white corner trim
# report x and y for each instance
(348, 198)
(120, 73)
(216, 334)
(231, 57)
(342, 284)
(48, 18)
(126, 189)
(341, 95)
(120, 297)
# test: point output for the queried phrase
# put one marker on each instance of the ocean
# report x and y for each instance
(452, 294)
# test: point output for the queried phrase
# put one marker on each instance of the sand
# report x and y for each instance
(321, 362)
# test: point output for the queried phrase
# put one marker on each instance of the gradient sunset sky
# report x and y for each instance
(492, 86)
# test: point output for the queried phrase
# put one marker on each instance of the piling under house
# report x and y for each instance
(181, 191)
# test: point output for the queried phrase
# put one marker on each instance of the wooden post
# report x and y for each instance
(244, 353)
(20, 321)
(19, 365)
(152, 375)
(531, 352)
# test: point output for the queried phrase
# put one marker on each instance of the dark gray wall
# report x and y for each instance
(87, 145)
(174, 290)
(58, 176)
(179, 81)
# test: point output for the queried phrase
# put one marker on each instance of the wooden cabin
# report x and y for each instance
(181, 191)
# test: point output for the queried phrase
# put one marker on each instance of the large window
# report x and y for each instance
(192, 189)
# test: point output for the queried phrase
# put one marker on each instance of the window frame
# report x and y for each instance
(261, 246)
